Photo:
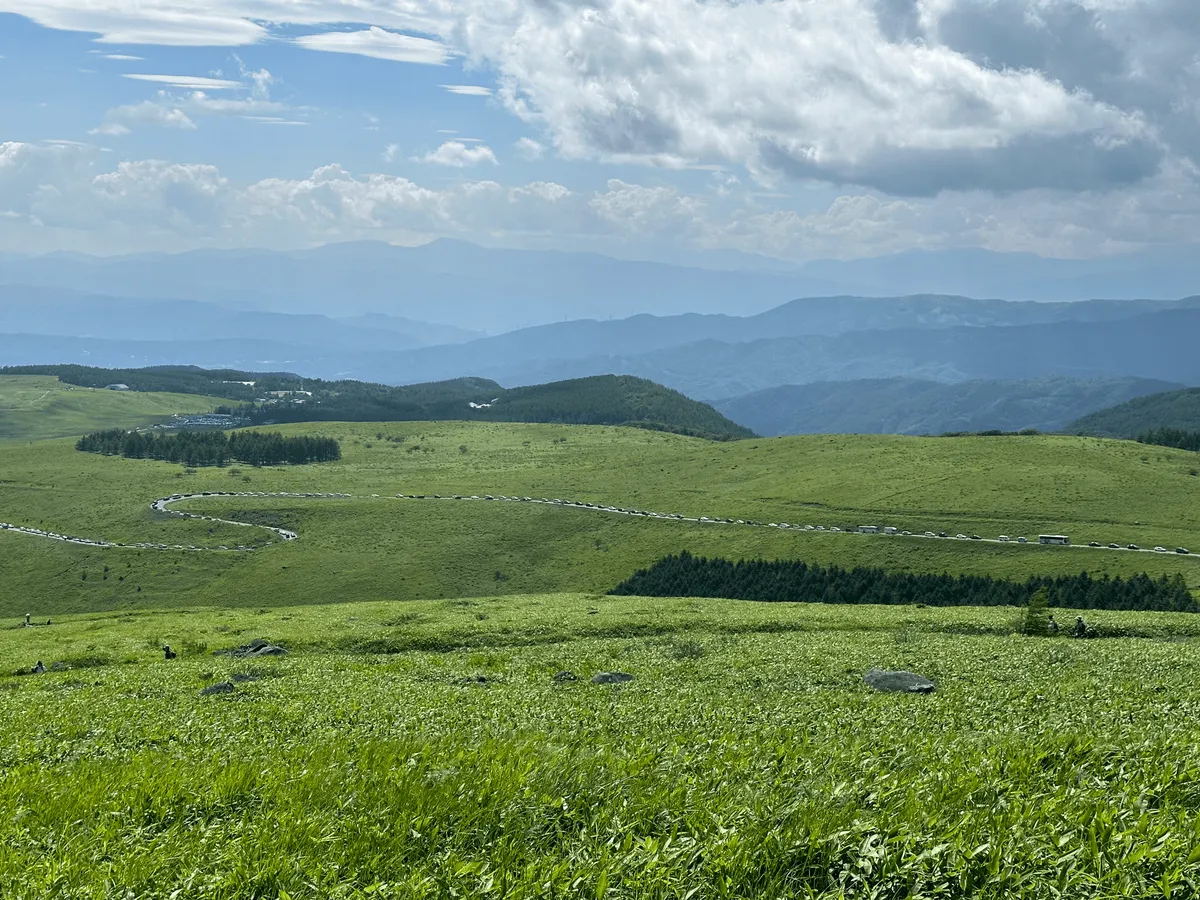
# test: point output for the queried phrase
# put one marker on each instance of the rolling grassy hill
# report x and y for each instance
(1172, 409)
(596, 400)
(35, 407)
(374, 547)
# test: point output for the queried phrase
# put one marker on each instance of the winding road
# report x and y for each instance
(164, 504)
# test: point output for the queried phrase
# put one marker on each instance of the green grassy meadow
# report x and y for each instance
(414, 743)
(375, 547)
(36, 407)
(423, 749)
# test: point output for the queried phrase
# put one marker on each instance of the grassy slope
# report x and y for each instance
(1174, 409)
(746, 759)
(382, 548)
(36, 407)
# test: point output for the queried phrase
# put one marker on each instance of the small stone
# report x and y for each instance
(611, 678)
(221, 687)
(564, 677)
(899, 682)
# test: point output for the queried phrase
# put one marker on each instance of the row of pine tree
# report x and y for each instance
(685, 575)
(213, 448)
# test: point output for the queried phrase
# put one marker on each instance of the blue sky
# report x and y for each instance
(669, 130)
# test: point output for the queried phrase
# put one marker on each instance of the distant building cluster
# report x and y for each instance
(204, 420)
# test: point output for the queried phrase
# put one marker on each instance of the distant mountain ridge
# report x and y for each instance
(497, 290)
(448, 282)
(913, 406)
(1156, 346)
(583, 347)
(71, 314)
(930, 338)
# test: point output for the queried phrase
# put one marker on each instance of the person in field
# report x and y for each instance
(1052, 626)
(1080, 629)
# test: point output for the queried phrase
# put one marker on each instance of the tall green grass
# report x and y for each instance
(746, 759)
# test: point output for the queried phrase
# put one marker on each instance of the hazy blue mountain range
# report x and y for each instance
(591, 347)
(495, 290)
(1157, 346)
(52, 311)
(933, 338)
(913, 406)
(1161, 273)
(1174, 409)
(450, 282)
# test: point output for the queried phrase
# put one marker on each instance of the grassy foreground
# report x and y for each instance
(36, 407)
(424, 750)
(375, 547)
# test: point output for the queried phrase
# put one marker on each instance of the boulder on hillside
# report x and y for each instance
(899, 682)
(611, 678)
(221, 687)
(257, 647)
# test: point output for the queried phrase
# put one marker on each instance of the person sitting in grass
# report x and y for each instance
(1052, 626)
(39, 668)
(1080, 629)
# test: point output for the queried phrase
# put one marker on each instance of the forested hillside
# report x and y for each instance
(1173, 409)
(273, 398)
(612, 399)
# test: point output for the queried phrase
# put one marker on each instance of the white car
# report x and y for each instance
(1160, 549)
(1022, 540)
(1004, 537)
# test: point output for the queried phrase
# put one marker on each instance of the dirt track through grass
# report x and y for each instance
(163, 504)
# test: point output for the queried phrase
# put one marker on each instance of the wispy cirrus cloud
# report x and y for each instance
(468, 90)
(381, 44)
(198, 82)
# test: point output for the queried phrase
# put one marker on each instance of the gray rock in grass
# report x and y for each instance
(221, 687)
(899, 682)
(611, 678)
(257, 647)
(268, 650)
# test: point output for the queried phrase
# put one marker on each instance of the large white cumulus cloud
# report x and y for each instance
(909, 97)
(75, 196)
(803, 89)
